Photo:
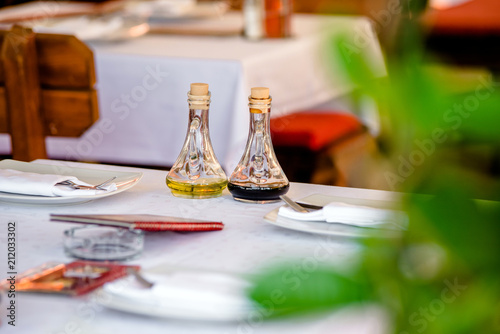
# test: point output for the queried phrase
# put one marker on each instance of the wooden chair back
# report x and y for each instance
(46, 89)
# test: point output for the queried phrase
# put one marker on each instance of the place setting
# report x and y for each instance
(340, 216)
(249, 166)
(34, 183)
(117, 21)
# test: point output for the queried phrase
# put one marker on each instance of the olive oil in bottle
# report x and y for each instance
(196, 172)
(190, 190)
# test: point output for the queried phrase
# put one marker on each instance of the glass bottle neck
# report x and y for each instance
(260, 124)
(198, 120)
(199, 102)
(259, 106)
(198, 112)
(260, 113)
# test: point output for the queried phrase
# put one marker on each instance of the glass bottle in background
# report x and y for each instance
(258, 178)
(196, 172)
(253, 17)
(278, 14)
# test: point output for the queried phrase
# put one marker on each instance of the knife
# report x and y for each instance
(144, 222)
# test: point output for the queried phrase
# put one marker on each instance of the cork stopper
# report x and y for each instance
(260, 93)
(199, 89)
(259, 100)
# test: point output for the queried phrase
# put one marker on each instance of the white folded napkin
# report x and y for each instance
(191, 294)
(17, 182)
(356, 215)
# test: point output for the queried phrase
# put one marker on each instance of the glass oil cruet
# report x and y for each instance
(258, 178)
(196, 173)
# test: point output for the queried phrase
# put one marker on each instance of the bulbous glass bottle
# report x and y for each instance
(196, 173)
(258, 177)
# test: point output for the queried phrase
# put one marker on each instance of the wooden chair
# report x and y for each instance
(46, 89)
(322, 147)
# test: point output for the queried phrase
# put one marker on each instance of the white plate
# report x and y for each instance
(123, 181)
(334, 228)
(197, 10)
(95, 29)
(181, 293)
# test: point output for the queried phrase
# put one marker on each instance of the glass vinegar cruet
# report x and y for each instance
(258, 177)
(196, 173)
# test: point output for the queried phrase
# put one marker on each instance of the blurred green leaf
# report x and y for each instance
(481, 118)
(353, 61)
(458, 224)
(451, 125)
(287, 289)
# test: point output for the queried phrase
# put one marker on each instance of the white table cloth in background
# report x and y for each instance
(246, 245)
(142, 85)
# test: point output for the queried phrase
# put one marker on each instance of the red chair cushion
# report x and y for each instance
(313, 129)
(470, 18)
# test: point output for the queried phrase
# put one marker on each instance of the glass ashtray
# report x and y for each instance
(103, 243)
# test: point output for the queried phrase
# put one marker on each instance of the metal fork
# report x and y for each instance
(300, 207)
(80, 186)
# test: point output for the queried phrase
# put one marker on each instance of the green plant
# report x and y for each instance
(442, 276)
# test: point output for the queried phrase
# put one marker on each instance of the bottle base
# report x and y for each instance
(196, 191)
(256, 201)
(259, 195)
(195, 195)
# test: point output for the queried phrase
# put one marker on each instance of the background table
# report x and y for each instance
(142, 85)
(246, 245)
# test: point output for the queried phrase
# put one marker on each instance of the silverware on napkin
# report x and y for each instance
(81, 186)
(298, 206)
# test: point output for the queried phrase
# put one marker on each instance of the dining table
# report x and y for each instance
(142, 84)
(248, 244)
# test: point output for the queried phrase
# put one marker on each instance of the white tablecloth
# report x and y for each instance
(247, 244)
(142, 85)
